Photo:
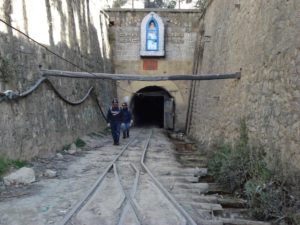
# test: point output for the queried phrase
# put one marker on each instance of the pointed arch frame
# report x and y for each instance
(160, 29)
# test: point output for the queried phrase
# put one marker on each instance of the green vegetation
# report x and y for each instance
(242, 168)
(79, 143)
(66, 147)
(6, 164)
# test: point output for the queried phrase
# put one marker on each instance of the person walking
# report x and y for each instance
(114, 119)
(126, 120)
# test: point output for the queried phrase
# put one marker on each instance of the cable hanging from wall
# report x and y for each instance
(13, 95)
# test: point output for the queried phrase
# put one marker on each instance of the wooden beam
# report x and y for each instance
(108, 76)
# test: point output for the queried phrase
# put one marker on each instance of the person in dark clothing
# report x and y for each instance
(126, 120)
(114, 120)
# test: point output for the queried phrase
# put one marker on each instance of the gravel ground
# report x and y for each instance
(48, 199)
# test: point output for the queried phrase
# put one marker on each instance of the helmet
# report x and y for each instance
(115, 100)
(124, 104)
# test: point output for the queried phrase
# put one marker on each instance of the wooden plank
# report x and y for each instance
(108, 76)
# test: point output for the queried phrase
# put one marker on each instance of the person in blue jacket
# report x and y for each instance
(126, 120)
(114, 120)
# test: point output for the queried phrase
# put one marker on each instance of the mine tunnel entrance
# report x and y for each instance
(153, 106)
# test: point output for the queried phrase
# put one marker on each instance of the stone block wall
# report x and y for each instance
(42, 123)
(262, 38)
(181, 28)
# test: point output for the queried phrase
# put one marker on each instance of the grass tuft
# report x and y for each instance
(79, 143)
(6, 164)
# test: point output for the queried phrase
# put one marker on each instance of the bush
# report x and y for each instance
(242, 168)
(79, 143)
(4, 165)
(233, 165)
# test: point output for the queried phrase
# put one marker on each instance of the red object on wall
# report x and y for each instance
(149, 64)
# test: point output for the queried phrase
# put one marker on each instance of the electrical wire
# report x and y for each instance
(44, 46)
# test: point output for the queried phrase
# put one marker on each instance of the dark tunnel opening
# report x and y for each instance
(148, 106)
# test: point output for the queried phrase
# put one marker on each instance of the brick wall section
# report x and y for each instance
(42, 123)
(262, 38)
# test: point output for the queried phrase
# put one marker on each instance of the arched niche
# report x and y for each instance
(152, 36)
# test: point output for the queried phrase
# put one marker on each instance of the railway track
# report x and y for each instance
(146, 180)
(128, 193)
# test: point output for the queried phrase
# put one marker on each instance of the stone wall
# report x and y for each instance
(75, 30)
(262, 38)
(181, 28)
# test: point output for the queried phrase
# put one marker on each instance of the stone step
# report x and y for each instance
(195, 188)
(165, 158)
(208, 222)
(195, 198)
(234, 213)
(232, 202)
(242, 222)
(200, 186)
(203, 206)
(179, 179)
(174, 170)
(215, 188)
(191, 158)
(203, 217)
(196, 154)
(169, 166)
(200, 172)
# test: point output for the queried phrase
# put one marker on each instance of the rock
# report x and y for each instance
(50, 173)
(22, 176)
(200, 172)
(73, 149)
(59, 156)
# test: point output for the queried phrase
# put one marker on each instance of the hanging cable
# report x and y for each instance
(54, 53)
(44, 46)
(9, 94)
(12, 95)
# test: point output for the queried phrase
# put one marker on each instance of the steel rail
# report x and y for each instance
(189, 219)
(88, 195)
(129, 203)
(136, 180)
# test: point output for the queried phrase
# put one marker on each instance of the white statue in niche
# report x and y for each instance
(152, 36)
(152, 43)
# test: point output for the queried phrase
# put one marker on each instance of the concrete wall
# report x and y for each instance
(262, 38)
(76, 30)
(181, 28)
